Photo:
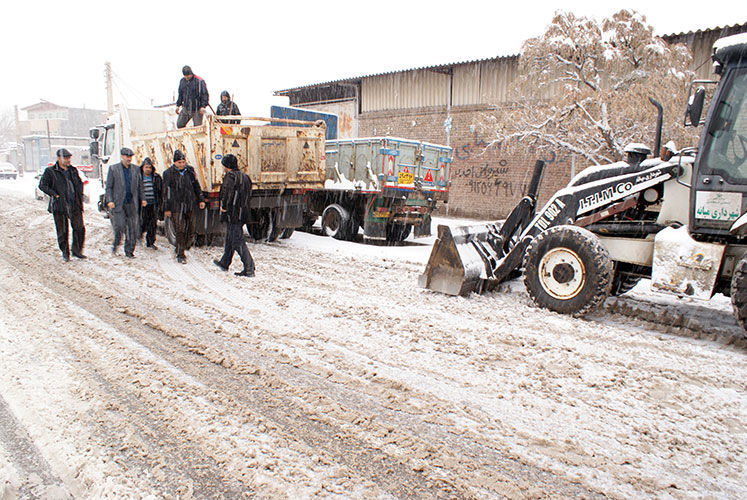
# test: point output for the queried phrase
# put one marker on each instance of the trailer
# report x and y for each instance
(386, 185)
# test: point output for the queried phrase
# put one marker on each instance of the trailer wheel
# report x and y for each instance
(398, 232)
(567, 270)
(739, 292)
(336, 222)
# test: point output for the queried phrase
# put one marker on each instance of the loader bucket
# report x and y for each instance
(476, 258)
(455, 266)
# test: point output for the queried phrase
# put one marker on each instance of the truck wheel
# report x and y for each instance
(336, 222)
(623, 283)
(168, 228)
(287, 233)
(261, 229)
(398, 232)
(739, 292)
(567, 270)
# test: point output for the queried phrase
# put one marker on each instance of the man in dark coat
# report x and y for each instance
(62, 183)
(235, 192)
(193, 99)
(153, 195)
(181, 193)
(124, 197)
(227, 107)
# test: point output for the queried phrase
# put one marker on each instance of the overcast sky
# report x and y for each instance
(56, 50)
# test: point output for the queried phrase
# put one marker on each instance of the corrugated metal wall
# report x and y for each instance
(409, 89)
(483, 82)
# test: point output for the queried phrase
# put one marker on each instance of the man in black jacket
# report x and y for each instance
(227, 107)
(61, 182)
(153, 195)
(235, 192)
(181, 193)
(193, 99)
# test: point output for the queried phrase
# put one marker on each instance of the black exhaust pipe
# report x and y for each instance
(659, 125)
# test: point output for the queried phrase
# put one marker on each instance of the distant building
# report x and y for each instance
(415, 104)
(65, 127)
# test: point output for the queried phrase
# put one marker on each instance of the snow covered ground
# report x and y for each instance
(332, 374)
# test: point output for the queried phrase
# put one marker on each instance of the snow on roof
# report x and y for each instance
(730, 41)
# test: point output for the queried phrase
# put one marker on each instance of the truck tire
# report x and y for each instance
(739, 292)
(336, 222)
(568, 270)
(623, 283)
(287, 233)
(170, 232)
(261, 229)
(398, 232)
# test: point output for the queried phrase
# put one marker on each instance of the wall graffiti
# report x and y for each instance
(478, 147)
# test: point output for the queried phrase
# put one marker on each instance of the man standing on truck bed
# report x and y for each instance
(124, 198)
(235, 192)
(227, 107)
(61, 182)
(192, 100)
(181, 193)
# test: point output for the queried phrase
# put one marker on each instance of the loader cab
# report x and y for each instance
(719, 192)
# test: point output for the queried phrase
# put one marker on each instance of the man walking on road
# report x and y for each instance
(153, 195)
(61, 182)
(124, 197)
(235, 192)
(193, 99)
(181, 193)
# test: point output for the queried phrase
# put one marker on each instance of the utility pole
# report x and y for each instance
(20, 156)
(109, 96)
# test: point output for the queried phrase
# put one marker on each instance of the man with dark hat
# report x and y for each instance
(181, 193)
(193, 99)
(153, 195)
(227, 107)
(124, 197)
(235, 192)
(62, 183)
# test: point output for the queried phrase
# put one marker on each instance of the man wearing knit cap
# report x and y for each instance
(182, 193)
(235, 192)
(124, 198)
(61, 182)
(151, 211)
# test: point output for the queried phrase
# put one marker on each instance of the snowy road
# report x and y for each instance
(331, 374)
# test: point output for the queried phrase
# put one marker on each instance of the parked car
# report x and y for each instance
(8, 171)
(40, 195)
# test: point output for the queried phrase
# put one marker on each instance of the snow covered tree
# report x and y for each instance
(583, 88)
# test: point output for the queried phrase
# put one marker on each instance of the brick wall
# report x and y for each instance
(487, 180)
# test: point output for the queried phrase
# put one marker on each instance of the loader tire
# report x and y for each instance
(739, 292)
(568, 270)
(623, 283)
(336, 222)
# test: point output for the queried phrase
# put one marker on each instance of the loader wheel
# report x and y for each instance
(336, 222)
(623, 283)
(567, 270)
(739, 292)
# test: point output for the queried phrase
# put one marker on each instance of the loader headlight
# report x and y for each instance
(651, 195)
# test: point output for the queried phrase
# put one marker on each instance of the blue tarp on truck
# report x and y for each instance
(288, 113)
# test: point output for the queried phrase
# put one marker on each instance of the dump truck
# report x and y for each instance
(679, 219)
(283, 161)
(386, 185)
